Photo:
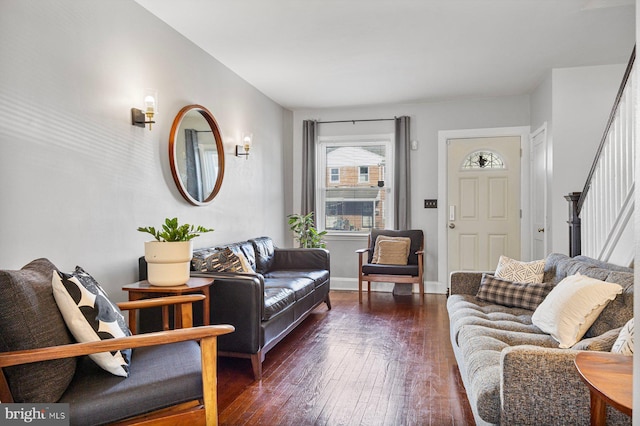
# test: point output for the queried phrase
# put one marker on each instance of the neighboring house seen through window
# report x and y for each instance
(354, 188)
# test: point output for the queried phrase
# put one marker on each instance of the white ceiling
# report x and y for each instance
(334, 53)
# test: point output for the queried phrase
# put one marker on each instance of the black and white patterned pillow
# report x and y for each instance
(512, 294)
(92, 317)
(221, 260)
(624, 343)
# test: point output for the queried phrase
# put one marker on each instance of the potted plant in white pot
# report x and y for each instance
(168, 257)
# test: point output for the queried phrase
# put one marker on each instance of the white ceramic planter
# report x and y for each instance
(168, 263)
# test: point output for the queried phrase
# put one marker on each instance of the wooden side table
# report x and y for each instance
(610, 381)
(142, 290)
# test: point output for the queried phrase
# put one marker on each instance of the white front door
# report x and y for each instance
(539, 193)
(483, 196)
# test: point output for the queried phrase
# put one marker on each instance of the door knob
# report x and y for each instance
(452, 225)
(540, 229)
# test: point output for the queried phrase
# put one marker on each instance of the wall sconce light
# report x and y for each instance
(150, 109)
(246, 146)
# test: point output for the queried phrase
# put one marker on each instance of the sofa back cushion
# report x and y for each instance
(618, 311)
(572, 307)
(265, 254)
(30, 318)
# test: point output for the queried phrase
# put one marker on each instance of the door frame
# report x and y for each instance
(547, 232)
(443, 173)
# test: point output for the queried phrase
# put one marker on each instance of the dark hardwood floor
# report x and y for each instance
(385, 362)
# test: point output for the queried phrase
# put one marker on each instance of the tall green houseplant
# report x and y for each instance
(303, 227)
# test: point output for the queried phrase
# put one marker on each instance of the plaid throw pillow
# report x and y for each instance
(512, 294)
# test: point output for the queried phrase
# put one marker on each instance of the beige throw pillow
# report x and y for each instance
(376, 250)
(392, 252)
(521, 272)
(572, 306)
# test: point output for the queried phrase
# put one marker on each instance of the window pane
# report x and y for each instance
(335, 175)
(364, 174)
(355, 195)
(483, 160)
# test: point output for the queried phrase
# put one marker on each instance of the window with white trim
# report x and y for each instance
(354, 188)
(335, 175)
(363, 176)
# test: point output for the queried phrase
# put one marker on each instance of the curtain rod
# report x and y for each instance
(354, 121)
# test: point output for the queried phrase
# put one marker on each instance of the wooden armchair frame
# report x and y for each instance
(203, 411)
(362, 260)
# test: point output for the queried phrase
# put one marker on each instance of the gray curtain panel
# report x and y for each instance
(309, 136)
(194, 176)
(402, 173)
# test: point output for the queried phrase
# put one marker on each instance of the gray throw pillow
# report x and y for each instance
(604, 342)
(29, 318)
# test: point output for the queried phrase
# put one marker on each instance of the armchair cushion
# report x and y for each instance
(29, 319)
(392, 252)
(416, 236)
(91, 316)
(403, 242)
(379, 269)
(161, 376)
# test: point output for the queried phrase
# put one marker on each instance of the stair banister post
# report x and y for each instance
(574, 224)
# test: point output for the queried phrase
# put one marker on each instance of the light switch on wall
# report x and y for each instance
(414, 145)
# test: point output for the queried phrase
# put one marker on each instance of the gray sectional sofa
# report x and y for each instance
(513, 373)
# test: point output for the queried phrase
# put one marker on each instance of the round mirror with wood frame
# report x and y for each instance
(196, 155)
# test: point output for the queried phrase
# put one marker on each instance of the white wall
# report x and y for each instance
(427, 119)
(582, 100)
(575, 103)
(77, 178)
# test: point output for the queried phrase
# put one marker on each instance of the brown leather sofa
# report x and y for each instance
(286, 285)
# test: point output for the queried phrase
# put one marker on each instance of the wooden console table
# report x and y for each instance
(142, 290)
(610, 381)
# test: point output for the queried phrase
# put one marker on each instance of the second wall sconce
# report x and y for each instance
(141, 118)
(247, 139)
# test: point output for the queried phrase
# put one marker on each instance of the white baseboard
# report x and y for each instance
(341, 283)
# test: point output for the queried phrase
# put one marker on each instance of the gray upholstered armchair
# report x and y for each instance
(372, 268)
(172, 379)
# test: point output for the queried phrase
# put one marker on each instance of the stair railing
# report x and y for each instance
(606, 204)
